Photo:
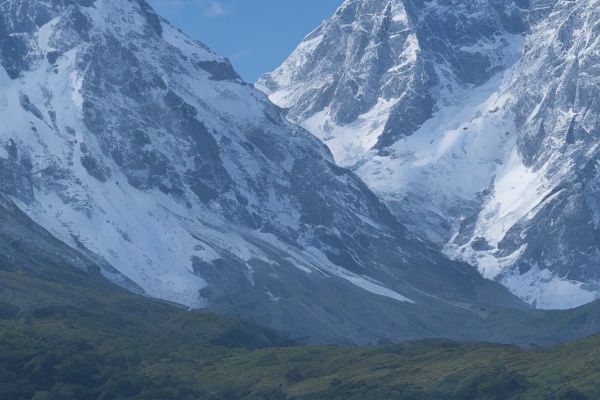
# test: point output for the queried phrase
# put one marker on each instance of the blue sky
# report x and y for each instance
(257, 35)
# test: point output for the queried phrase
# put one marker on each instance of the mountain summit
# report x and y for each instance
(475, 121)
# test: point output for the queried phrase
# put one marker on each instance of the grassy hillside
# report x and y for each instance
(76, 340)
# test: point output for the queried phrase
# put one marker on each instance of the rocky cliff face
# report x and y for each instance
(144, 151)
(475, 121)
(541, 213)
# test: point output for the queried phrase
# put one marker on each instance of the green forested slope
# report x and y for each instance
(65, 338)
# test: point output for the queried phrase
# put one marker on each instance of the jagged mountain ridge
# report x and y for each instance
(144, 151)
(394, 67)
(487, 145)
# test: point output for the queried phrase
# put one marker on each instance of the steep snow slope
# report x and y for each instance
(470, 119)
(104, 147)
(142, 148)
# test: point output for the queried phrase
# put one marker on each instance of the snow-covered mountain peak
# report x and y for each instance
(486, 142)
(384, 67)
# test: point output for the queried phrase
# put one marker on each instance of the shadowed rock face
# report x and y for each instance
(486, 146)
